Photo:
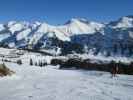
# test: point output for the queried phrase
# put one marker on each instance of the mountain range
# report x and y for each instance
(77, 35)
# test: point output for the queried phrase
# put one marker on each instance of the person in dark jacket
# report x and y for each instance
(115, 70)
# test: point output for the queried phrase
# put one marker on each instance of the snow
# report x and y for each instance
(77, 30)
(43, 28)
(49, 83)
(36, 57)
(131, 34)
(100, 57)
(4, 36)
(62, 32)
(79, 26)
(61, 36)
(125, 22)
(23, 34)
(51, 31)
(35, 25)
(2, 27)
(4, 51)
(16, 27)
(11, 45)
(10, 23)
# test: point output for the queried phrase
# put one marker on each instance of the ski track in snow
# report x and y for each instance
(35, 83)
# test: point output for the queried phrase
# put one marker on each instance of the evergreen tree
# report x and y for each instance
(35, 63)
(31, 62)
(19, 61)
(40, 64)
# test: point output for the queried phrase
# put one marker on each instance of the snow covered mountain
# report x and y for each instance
(31, 33)
(124, 22)
(77, 34)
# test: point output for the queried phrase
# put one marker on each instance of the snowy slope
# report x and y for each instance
(23, 34)
(80, 26)
(1, 27)
(16, 26)
(124, 22)
(49, 83)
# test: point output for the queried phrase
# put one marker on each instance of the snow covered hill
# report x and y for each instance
(49, 83)
(78, 34)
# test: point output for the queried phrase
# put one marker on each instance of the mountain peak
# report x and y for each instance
(123, 22)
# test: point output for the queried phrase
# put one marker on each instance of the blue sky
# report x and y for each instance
(59, 11)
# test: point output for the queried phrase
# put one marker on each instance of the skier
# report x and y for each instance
(115, 70)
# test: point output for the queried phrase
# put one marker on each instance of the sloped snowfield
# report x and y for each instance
(49, 83)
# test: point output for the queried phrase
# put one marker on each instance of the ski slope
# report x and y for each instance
(49, 83)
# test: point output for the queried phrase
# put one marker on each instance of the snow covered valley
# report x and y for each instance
(50, 83)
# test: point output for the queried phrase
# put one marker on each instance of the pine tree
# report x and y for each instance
(19, 61)
(35, 63)
(40, 63)
(31, 62)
